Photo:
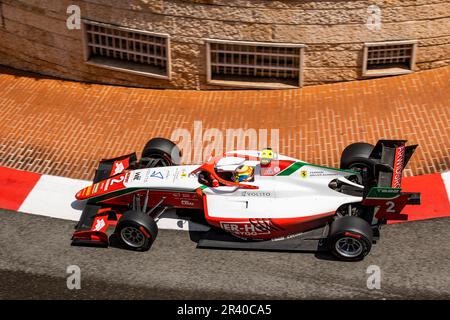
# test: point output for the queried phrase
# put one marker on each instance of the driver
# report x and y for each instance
(243, 173)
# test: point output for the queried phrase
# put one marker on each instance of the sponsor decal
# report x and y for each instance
(175, 175)
(289, 236)
(276, 169)
(147, 175)
(383, 192)
(119, 166)
(315, 173)
(99, 225)
(137, 176)
(255, 194)
(243, 229)
(398, 167)
(321, 173)
(187, 203)
(157, 174)
(183, 174)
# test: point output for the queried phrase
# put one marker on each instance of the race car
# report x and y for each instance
(250, 199)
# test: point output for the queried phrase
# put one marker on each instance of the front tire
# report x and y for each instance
(163, 150)
(350, 238)
(136, 231)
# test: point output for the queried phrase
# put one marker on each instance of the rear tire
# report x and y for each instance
(350, 238)
(354, 153)
(136, 231)
(164, 150)
(356, 157)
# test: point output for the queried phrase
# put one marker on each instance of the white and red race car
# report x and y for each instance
(287, 205)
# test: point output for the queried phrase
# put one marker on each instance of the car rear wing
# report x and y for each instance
(390, 158)
(389, 202)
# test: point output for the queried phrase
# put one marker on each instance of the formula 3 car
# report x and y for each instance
(285, 204)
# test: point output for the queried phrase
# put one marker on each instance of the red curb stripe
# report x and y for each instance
(434, 198)
(15, 185)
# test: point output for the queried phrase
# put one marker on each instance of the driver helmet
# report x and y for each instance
(267, 155)
(243, 173)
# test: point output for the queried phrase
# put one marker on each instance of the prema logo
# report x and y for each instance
(398, 167)
(99, 225)
(119, 166)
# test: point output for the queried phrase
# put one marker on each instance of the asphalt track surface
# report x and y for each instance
(35, 251)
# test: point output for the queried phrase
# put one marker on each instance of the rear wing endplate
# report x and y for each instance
(391, 157)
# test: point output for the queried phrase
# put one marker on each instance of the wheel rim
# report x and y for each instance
(132, 237)
(349, 247)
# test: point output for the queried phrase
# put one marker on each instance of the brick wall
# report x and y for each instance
(35, 37)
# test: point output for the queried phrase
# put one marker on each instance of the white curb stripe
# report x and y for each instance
(54, 197)
(446, 177)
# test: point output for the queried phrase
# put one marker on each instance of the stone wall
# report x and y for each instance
(34, 35)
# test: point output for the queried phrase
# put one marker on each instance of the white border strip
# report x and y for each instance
(446, 177)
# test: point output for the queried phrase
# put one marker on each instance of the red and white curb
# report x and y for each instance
(53, 196)
(435, 196)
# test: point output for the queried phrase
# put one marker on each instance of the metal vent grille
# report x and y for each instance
(389, 55)
(250, 62)
(130, 49)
